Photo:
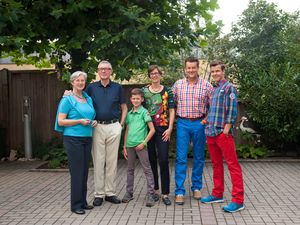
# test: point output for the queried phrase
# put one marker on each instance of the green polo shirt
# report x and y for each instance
(137, 126)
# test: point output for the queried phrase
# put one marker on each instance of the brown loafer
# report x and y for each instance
(196, 194)
(179, 199)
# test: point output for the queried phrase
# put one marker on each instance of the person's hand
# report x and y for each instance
(94, 123)
(140, 147)
(226, 132)
(125, 153)
(226, 129)
(167, 134)
(204, 121)
(68, 92)
(84, 122)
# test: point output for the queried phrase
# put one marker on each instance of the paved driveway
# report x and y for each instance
(272, 197)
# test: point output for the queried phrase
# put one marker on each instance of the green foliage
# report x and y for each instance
(273, 102)
(77, 34)
(248, 151)
(262, 54)
(57, 158)
(53, 152)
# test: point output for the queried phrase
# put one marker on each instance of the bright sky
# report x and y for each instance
(230, 10)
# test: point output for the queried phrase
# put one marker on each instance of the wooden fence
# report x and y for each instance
(43, 90)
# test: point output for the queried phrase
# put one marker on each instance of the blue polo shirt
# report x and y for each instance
(106, 100)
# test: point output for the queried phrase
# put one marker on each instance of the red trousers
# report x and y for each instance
(223, 146)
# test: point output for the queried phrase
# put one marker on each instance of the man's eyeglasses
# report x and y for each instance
(105, 69)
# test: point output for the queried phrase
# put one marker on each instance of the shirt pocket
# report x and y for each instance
(221, 97)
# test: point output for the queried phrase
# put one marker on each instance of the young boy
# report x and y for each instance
(138, 121)
(221, 116)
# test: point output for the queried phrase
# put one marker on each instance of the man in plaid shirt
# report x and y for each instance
(191, 96)
(221, 116)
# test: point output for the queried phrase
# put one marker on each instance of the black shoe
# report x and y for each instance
(88, 207)
(166, 200)
(97, 201)
(78, 211)
(155, 196)
(113, 199)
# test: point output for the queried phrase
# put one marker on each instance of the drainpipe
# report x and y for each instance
(27, 127)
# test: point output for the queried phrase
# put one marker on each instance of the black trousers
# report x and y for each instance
(158, 149)
(79, 152)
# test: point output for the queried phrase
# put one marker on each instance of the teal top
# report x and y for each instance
(137, 123)
(76, 110)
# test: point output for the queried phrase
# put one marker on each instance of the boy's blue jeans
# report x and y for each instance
(189, 130)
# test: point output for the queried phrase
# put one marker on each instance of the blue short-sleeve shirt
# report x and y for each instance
(76, 110)
(106, 100)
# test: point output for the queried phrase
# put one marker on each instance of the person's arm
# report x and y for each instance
(124, 111)
(63, 121)
(207, 102)
(174, 91)
(148, 137)
(227, 128)
(124, 147)
(231, 109)
(167, 134)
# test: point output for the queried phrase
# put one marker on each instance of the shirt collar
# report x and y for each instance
(100, 84)
(196, 81)
(139, 110)
(219, 83)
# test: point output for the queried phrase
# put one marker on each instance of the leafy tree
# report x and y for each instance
(266, 46)
(131, 34)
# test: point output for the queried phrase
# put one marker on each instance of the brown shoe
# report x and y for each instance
(197, 194)
(179, 199)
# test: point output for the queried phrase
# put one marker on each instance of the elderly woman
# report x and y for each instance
(159, 102)
(75, 118)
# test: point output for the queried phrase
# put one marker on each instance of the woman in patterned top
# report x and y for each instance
(160, 104)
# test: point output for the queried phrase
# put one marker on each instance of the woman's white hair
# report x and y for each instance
(76, 74)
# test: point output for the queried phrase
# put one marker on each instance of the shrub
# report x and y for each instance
(53, 152)
(273, 102)
(248, 151)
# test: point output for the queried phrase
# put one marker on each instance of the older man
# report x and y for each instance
(111, 110)
(191, 96)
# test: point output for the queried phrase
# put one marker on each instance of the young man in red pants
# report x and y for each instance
(221, 116)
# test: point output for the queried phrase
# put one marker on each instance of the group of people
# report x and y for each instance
(92, 122)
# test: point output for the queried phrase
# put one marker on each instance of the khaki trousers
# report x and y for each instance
(106, 140)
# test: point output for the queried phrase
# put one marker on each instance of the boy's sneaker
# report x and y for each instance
(155, 197)
(211, 199)
(127, 197)
(233, 207)
(150, 200)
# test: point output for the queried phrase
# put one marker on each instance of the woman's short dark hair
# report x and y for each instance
(153, 67)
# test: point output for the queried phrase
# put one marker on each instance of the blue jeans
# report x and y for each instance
(189, 130)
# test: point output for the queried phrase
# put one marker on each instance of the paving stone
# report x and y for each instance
(271, 197)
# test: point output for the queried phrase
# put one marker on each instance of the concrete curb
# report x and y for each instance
(266, 160)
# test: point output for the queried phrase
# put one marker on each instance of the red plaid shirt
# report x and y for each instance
(191, 98)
